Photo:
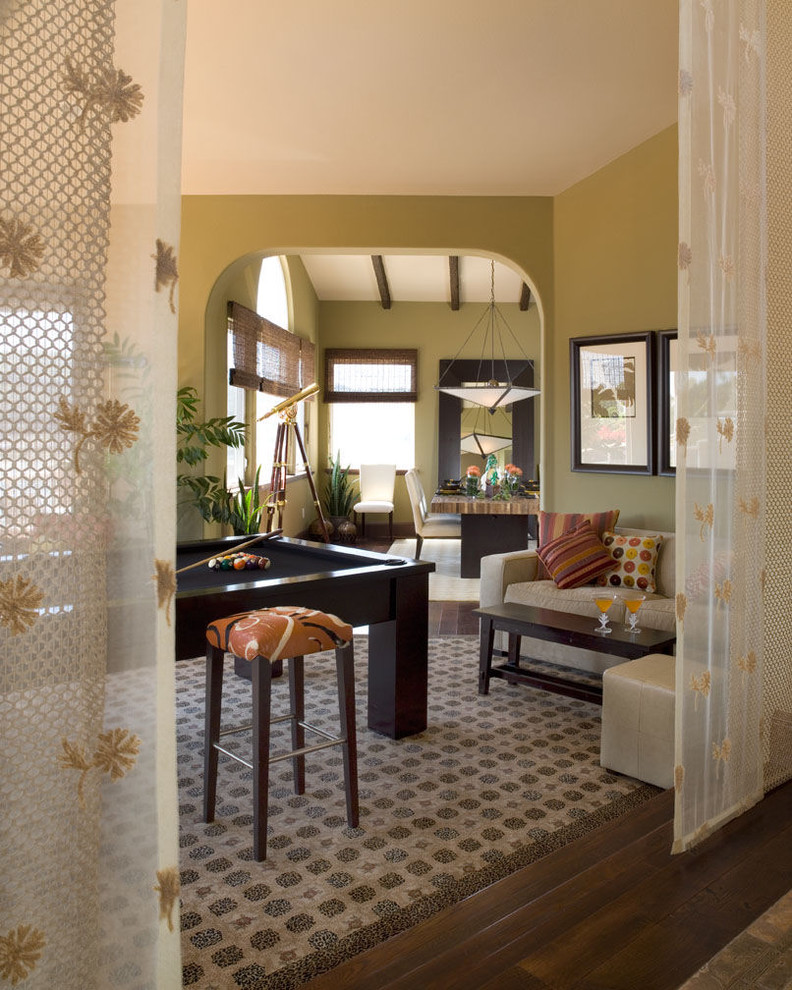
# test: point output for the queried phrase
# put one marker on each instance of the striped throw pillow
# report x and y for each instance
(576, 558)
(555, 524)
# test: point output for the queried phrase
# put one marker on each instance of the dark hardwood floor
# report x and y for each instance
(612, 911)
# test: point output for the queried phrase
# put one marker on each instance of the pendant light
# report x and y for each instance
(490, 393)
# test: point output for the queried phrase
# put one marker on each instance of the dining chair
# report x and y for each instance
(377, 482)
(429, 525)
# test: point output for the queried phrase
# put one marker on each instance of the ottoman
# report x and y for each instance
(638, 719)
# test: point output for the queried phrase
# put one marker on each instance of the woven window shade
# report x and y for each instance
(266, 357)
(373, 375)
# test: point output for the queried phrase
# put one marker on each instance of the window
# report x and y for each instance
(266, 364)
(35, 345)
(372, 396)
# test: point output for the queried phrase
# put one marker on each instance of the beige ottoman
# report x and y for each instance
(638, 719)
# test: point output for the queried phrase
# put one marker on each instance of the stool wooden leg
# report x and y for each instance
(262, 690)
(345, 667)
(214, 703)
(297, 699)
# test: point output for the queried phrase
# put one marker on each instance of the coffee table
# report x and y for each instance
(558, 627)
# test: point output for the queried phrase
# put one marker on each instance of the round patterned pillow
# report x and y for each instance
(635, 558)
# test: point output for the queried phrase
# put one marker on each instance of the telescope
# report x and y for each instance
(304, 393)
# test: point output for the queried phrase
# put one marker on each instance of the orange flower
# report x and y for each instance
(513, 469)
(473, 471)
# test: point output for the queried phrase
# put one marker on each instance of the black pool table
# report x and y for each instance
(360, 586)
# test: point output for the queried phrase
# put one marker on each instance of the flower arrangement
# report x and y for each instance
(472, 478)
(511, 478)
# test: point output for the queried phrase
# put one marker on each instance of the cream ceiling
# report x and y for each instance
(421, 97)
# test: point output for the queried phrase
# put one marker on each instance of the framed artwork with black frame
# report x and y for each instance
(666, 401)
(612, 408)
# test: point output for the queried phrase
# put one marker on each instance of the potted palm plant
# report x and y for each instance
(339, 494)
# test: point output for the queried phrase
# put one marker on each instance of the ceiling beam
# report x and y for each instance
(525, 297)
(382, 280)
(453, 275)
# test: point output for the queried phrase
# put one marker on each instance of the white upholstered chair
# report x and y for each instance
(376, 493)
(429, 525)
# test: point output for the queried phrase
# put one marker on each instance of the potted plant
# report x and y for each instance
(243, 511)
(339, 493)
(194, 440)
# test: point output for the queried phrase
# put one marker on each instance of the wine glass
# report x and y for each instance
(632, 604)
(603, 603)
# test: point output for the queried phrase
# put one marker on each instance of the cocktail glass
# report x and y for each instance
(603, 603)
(632, 604)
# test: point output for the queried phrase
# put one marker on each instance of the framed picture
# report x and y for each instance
(666, 401)
(613, 384)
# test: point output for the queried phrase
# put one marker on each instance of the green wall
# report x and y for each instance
(600, 258)
(615, 272)
(222, 233)
(436, 331)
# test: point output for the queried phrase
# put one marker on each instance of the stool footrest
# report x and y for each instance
(307, 749)
(331, 741)
(245, 763)
(246, 728)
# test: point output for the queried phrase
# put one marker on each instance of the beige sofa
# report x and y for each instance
(512, 577)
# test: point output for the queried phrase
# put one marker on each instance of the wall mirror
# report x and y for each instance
(451, 412)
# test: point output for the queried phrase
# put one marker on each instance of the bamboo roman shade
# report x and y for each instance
(266, 357)
(370, 375)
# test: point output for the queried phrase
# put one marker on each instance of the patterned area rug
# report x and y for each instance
(492, 785)
(445, 584)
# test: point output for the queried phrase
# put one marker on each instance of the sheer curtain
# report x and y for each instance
(733, 680)
(89, 226)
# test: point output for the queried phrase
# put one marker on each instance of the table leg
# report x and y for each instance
(513, 653)
(484, 534)
(487, 635)
(398, 664)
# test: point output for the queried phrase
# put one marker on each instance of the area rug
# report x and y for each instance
(493, 784)
(445, 584)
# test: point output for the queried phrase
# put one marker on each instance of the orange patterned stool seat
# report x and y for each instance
(265, 637)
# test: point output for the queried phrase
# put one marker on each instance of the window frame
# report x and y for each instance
(382, 358)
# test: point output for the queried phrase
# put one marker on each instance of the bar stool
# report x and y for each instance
(263, 637)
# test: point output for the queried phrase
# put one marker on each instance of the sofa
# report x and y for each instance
(516, 577)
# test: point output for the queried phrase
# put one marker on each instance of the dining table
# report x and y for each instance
(489, 524)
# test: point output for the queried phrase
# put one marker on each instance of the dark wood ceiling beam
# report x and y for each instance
(525, 297)
(453, 275)
(382, 280)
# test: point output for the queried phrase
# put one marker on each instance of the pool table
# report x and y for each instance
(388, 594)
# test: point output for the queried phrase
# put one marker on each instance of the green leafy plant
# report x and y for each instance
(339, 493)
(245, 509)
(194, 439)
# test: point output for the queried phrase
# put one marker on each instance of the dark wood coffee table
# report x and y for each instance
(558, 627)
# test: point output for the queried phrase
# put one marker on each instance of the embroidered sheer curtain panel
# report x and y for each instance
(89, 229)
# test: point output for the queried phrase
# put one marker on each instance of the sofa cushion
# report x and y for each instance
(576, 558)
(665, 572)
(575, 601)
(635, 561)
(555, 524)
(656, 612)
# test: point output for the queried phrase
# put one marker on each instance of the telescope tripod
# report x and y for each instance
(287, 426)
